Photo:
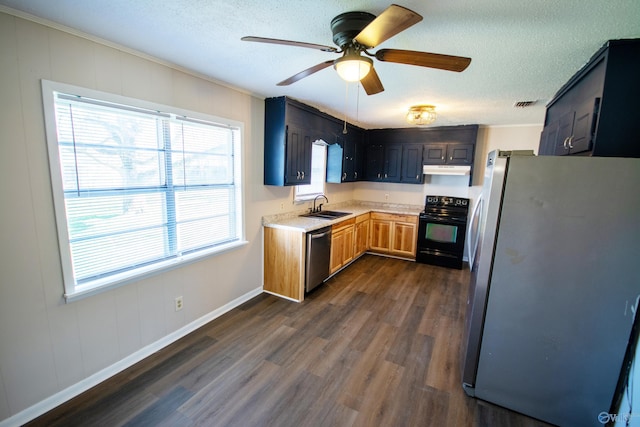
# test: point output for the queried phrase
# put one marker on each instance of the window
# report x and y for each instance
(137, 187)
(318, 173)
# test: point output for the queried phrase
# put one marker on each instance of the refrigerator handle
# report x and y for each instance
(474, 243)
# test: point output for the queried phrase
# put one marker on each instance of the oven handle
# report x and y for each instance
(448, 220)
(472, 251)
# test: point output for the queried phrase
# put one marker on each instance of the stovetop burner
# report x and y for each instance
(446, 204)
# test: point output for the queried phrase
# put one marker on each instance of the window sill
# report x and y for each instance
(99, 286)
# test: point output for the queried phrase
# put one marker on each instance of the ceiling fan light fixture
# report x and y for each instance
(421, 114)
(353, 68)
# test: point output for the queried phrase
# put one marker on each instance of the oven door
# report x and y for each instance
(441, 233)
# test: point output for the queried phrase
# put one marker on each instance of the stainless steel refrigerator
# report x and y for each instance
(555, 280)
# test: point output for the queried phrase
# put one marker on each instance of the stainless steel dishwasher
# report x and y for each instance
(318, 257)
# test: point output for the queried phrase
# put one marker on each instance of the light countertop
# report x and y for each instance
(293, 220)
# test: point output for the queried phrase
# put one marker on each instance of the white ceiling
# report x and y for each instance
(520, 50)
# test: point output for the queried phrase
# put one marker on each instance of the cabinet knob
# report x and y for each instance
(302, 175)
(355, 175)
(442, 158)
(569, 142)
(344, 176)
(451, 158)
(417, 176)
(385, 175)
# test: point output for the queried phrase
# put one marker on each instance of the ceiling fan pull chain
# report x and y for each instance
(346, 99)
(358, 102)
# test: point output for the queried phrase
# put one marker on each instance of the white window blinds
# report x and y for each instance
(141, 188)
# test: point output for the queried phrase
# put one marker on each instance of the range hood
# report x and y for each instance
(446, 170)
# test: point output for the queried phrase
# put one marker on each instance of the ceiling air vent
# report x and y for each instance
(523, 104)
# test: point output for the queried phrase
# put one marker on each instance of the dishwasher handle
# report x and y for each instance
(319, 235)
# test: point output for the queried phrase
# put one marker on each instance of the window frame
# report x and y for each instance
(299, 197)
(74, 291)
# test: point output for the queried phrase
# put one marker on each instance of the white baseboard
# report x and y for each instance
(70, 392)
(277, 295)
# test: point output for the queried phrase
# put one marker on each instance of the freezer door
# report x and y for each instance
(564, 282)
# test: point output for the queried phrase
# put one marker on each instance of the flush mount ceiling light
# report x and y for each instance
(421, 114)
(352, 67)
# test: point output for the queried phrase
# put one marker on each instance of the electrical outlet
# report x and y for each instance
(386, 196)
(179, 303)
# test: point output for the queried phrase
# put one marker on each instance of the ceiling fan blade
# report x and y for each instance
(393, 20)
(424, 59)
(371, 83)
(289, 43)
(302, 74)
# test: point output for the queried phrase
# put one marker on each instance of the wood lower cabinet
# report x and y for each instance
(342, 244)
(393, 234)
(380, 240)
(361, 235)
(404, 238)
(349, 240)
(284, 262)
(285, 249)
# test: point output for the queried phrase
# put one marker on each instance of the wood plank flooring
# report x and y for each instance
(377, 345)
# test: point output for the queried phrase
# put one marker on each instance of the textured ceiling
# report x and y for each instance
(520, 50)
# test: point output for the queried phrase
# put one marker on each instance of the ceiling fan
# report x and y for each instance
(356, 32)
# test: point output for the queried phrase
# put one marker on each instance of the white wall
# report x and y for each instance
(50, 349)
(525, 137)
(45, 344)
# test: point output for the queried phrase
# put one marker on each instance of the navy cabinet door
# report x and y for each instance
(411, 163)
(435, 154)
(392, 162)
(298, 162)
(375, 162)
(459, 154)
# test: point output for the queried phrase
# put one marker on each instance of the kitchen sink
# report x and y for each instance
(326, 214)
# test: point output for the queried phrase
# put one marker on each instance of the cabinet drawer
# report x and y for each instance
(343, 224)
(395, 217)
(363, 217)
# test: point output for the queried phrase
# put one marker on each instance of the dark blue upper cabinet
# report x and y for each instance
(596, 112)
(397, 155)
(449, 153)
(345, 158)
(412, 163)
(374, 166)
(385, 155)
(290, 129)
(288, 138)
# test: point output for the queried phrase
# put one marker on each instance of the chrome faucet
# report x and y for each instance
(319, 208)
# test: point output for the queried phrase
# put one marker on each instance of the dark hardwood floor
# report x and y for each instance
(377, 345)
